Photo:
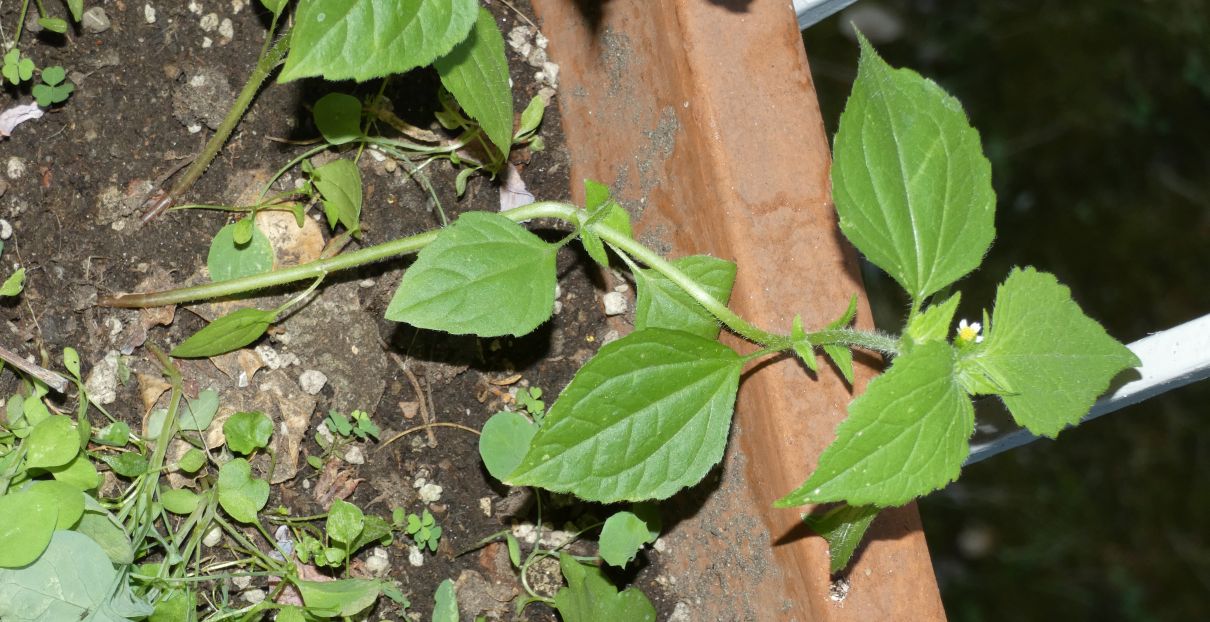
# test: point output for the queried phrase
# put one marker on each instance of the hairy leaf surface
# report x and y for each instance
(912, 187)
(483, 275)
(905, 436)
(476, 73)
(364, 39)
(1054, 359)
(662, 304)
(644, 418)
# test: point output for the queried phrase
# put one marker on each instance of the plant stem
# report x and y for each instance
(867, 340)
(267, 62)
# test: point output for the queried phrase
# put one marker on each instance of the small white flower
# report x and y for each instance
(969, 332)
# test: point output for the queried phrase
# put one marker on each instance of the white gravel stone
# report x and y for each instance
(312, 381)
(378, 564)
(226, 30)
(213, 537)
(325, 436)
(15, 167)
(680, 613)
(94, 20)
(253, 596)
(209, 22)
(273, 359)
(6, 229)
(431, 493)
(102, 383)
(415, 556)
(148, 13)
(615, 303)
(355, 455)
(241, 583)
(485, 504)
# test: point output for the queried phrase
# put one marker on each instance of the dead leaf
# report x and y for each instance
(151, 387)
(11, 118)
(513, 193)
(292, 245)
(334, 483)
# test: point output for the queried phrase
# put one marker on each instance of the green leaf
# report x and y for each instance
(53, 24)
(193, 460)
(241, 495)
(116, 434)
(179, 500)
(476, 73)
(230, 332)
(103, 527)
(514, 549)
(483, 275)
(662, 304)
(79, 473)
(843, 527)
(241, 233)
(199, 412)
(71, 361)
(373, 529)
(345, 521)
(274, 7)
(445, 608)
(27, 521)
(338, 117)
(54, 75)
(228, 260)
(247, 432)
(53, 442)
(912, 187)
(14, 283)
(531, 117)
(72, 580)
(127, 464)
(460, 180)
(76, 7)
(291, 614)
(622, 536)
(180, 605)
(345, 597)
(365, 39)
(339, 182)
(590, 597)
(601, 207)
(934, 323)
(802, 344)
(644, 418)
(1054, 359)
(905, 436)
(842, 356)
(503, 442)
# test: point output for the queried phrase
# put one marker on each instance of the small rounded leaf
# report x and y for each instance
(338, 117)
(504, 441)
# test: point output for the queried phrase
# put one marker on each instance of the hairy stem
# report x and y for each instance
(268, 61)
(873, 341)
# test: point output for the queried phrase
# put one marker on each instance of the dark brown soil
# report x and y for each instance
(88, 165)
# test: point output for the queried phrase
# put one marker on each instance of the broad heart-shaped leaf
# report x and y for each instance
(662, 304)
(504, 441)
(53, 442)
(364, 39)
(27, 521)
(843, 528)
(228, 260)
(484, 275)
(345, 521)
(905, 436)
(475, 72)
(230, 332)
(912, 188)
(72, 580)
(241, 495)
(933, 324)
(339, 182)
(247, 432)
(338, 117)
(1055, 359)
(590, 597)
(644, 418)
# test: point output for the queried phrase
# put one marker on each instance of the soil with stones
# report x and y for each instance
(150, 87)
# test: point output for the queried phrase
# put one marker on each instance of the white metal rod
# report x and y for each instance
(1171, 359)
(811, 12)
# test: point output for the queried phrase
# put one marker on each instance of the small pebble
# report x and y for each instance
(611, 337)
(355, 455)
(615, 303)
(226, 29)
(324, 436)
(15, 167)
(241, 583)
(415, 556)
(680, 613)
(213, 537)
(94, 20)
(148, 13)
(312, 381)
(485, 504)
(431, 493)
(378, 564)
(209, 22)
(6, 229)
(253, 596)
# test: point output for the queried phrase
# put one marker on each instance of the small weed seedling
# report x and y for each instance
(913, 193)
(423, 528)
